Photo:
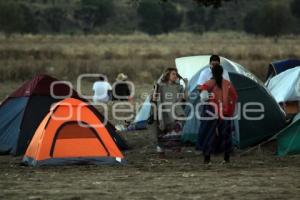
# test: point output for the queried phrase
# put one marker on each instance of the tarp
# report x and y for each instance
(286, 85)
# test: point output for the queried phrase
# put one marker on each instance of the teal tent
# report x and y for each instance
(250, 91)
(288, 139)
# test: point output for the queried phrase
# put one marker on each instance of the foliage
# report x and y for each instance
(103, 9)
(270, 20)
(11, 19)
(295, 8)
(151, 16)
(172, 18)
(54, 16)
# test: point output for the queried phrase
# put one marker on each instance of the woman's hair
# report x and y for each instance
(101, 78)
(166, 75)
(217, 72)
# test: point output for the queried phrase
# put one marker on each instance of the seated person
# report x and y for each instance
(102, 91)
(121, 89)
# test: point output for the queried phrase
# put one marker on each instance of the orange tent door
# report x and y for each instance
(72, 140)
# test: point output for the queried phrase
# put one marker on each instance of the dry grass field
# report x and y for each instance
(141, 56)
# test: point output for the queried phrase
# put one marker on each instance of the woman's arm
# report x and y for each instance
(208, 85)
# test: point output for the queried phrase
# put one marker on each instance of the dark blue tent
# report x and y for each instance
(279, 66)
(24, 109)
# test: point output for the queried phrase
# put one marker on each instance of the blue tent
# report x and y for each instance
(279, 66)
(24, 109)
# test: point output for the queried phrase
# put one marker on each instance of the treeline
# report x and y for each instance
(268, 17)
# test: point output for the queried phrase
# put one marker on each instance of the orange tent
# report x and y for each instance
(72, 134)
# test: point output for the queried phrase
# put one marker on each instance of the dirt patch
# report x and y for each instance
(256, 175)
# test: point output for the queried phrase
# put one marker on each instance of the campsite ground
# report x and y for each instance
(258, 174)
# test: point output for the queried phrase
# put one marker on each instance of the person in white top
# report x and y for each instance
(102, 90)
(206, 74)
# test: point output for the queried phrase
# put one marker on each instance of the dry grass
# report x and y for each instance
(141, 56)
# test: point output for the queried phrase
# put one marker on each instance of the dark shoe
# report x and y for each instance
(207, 159)
(227, 158)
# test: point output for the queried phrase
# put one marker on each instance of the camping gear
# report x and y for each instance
(24, 109)
(280, 66)
(285, 88)
(288, 139)
(250, 90)
(71, 133)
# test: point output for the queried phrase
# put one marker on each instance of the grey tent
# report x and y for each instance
(250, 90)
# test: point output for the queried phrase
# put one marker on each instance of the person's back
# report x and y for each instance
(224, 97)
(216, 132)
(121, 90)
(101, 91)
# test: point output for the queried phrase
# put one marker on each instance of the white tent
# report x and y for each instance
(286, 85)
(191, 67)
